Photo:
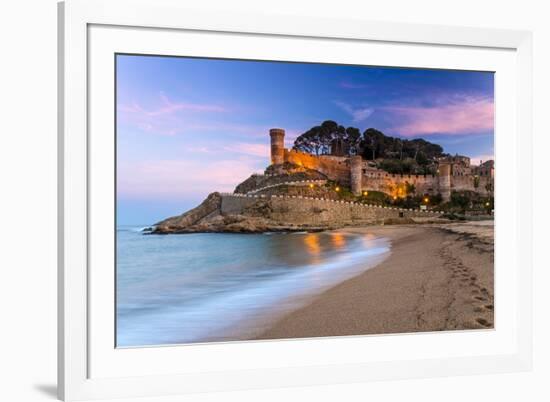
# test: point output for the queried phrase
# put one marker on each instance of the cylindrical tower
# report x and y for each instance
(277, 146)
(445, 181)
(356, 174)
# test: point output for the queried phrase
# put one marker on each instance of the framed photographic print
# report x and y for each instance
(264, 201)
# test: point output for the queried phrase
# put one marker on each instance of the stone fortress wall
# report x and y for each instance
(314, 211)
(336, 168)
(424, 184)
(359, 176)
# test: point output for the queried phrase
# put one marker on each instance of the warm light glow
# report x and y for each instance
(311, 186)
(395, 197)
(312, 243)
(487, 204)
(337, 189)
(365, 193)
(338, 240)
(426, 200)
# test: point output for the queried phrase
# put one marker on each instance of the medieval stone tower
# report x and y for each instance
(356, 174)
(277, 146)
(445, 181)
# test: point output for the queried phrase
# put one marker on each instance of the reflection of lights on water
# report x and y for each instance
(338, 240)
(369, 240)
(312, 243)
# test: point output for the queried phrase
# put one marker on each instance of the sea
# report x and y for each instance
(219, 287)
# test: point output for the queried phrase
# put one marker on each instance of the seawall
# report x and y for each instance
(301, 210)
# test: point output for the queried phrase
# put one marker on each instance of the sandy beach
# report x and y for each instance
(438, 277)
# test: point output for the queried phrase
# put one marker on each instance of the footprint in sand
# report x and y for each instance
(489, 307)
(480, 298)
(484, 322)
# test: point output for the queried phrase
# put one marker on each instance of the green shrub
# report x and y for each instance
(375, 197)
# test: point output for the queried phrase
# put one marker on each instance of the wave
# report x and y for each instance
(236, 313)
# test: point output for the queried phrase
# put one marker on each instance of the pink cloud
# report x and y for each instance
(461, 115)
(257, 150)
(169, 107)
(181, 178)
(483, 158)
(165, 119)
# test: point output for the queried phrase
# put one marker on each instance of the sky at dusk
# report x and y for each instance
(187, 127)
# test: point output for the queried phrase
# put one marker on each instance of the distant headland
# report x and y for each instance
(335, 177)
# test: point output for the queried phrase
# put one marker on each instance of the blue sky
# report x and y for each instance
(187, 127)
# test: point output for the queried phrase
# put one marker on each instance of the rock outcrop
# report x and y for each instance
(207, 211)
(208, 217)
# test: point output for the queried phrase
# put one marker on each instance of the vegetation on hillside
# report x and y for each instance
(464, 201)
(393, 154)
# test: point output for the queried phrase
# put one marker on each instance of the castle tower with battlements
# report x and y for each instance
(277, 146)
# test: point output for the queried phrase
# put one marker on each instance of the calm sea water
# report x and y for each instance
(176, 289)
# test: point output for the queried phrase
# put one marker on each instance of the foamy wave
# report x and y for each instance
(226, 315)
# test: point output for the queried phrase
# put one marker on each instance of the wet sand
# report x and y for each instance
(438, 277)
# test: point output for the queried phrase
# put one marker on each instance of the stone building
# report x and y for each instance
(454, 172)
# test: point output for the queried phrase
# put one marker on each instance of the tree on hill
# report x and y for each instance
(376, 144)
(353, 140)
(372, 144)
(319, 139)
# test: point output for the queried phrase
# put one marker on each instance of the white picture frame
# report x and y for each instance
(83, 27)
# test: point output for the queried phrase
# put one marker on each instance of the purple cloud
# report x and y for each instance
(166, 179)
(251, 149)
(168, 118)
(459, 115)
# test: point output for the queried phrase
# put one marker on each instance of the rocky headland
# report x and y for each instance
(295, 199)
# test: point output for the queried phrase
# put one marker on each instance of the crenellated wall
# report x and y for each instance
(336, 168)
(313, 211)
(387, 182)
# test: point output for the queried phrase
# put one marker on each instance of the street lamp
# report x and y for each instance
(426, 200)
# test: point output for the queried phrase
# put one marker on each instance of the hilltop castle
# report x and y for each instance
(454, 173)
(295, 194)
